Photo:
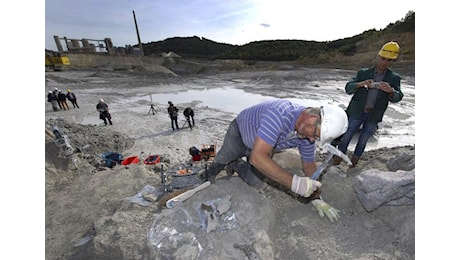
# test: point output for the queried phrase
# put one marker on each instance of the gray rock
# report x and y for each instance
(375, 188)
(405, 162)
(211, 213)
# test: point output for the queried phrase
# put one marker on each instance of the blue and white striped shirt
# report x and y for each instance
(274, 122)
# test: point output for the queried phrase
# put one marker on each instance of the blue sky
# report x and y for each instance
(232, 21)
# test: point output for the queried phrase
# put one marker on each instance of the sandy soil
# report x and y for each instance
(95, 212)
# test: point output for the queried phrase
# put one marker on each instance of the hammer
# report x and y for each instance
(171, 203)
(332, 151)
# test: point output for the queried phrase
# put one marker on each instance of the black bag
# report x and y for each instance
(194, 151)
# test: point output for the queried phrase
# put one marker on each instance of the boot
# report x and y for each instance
(251, 179)
(336, 160)
(230, 168)
(246, 172)
(354, 161)
(213, 170)
(250, 175)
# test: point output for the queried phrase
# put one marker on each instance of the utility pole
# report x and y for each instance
(138, 36)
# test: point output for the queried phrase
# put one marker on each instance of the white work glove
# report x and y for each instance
(324, 208)
(304, 186)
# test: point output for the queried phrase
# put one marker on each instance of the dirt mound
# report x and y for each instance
(103, 216)
(93, 212)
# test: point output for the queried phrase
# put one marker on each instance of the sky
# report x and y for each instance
(235, 22)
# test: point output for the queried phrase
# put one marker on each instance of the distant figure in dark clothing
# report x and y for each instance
(62, 100)
(53, 100)
(55, 93)
(188, 113)
(173, 111)
(103, 110)
(72, 98)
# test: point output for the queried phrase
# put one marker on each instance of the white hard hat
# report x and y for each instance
(101, 100)
(334, 123)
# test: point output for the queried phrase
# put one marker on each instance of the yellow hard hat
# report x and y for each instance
(68, 90)
(390, 50)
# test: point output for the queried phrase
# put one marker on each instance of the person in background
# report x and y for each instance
(173, 113)
(56, 92)
(372, 89)
(62, 99)
(189, 113)
(272, 126)
(53, 100)
(103, 110)
(72, 98)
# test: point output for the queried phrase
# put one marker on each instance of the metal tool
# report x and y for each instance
(152, 110)
(63, 142)
(163, 180)
(332, 151)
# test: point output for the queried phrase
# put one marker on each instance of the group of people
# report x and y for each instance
(259, 131)
(173, 112)
(263, 129)
(58, 99)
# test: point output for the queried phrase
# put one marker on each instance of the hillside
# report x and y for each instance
(187, 47)
(355, 50)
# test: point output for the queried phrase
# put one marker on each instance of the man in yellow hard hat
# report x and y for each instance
(72, 98)
(372, 89)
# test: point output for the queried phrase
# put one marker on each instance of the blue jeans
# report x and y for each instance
(366, 132)
(231, 151)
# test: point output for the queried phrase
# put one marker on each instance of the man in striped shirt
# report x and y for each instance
(259, 131)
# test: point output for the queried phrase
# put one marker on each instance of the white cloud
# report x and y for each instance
(234, 22)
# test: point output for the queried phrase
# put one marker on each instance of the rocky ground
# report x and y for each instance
(96, 212)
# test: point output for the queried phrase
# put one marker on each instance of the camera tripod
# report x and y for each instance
(152, 110)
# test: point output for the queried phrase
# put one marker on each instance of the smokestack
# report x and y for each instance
(58, 44)
(138, 36)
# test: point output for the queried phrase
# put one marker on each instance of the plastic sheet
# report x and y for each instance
(167, 234)
(139, 198)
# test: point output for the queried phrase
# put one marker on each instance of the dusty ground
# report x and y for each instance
(90, 213)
